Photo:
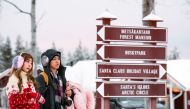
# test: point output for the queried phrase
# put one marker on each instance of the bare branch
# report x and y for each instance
(38, 22)
(17, 7)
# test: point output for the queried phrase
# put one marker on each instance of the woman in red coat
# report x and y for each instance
(21, 87)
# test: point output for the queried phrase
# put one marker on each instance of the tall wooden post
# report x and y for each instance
(106, 18)
(151, 21)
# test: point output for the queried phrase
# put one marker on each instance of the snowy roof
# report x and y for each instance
(152, 17)
(5, 73)
(84, 73)
(106, 15)
(180, 70)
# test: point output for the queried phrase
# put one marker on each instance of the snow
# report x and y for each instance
(106, 14)
(5, 73)
(152, 17)
(180, 71)
(84, 73)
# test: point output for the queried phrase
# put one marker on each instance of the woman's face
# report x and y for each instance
(28, 64)
(55, 63)
(68, 93)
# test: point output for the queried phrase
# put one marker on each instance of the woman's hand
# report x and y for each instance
(38, 97)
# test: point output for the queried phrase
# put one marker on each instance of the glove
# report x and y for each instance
(42, 100)
(38, 97)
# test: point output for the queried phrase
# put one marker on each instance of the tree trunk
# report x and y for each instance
(33, 28)
(33, 33)
(148, 6)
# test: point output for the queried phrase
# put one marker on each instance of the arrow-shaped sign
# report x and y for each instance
(138, 34)
(128, 70)
(162, 71)
(101, 33)
(101, 52)
(100, 89)
(127, 52)
(132, 89)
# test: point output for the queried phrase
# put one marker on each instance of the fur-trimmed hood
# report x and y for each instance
(83, 99)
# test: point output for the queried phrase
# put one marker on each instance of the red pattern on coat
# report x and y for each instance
(26, 100)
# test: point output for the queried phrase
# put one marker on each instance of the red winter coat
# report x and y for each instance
(27, 99)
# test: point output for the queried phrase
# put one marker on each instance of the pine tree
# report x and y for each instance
(69, 59)
(93, 55)
(63, 59)
(19, 46)
(53, 45)
(1, 59)
(27, 48)
(174, 54)
(79, 54)
(7, 53)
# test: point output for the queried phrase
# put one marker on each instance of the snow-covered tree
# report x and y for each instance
(53, 45)
(63, 58)
(80, 53)
(19, 46)
(69, 59)
(32, 15)
(174, 54)
(7, 53)
(1, 60)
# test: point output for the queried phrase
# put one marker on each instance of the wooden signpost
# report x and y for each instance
(144, 49)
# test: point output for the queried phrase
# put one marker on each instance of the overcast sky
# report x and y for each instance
(66, 22)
